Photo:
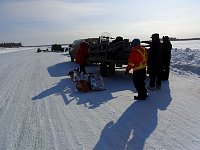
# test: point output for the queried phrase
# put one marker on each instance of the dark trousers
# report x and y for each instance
(165, 73)
(139, 77)
(155, 78)
(82, 69)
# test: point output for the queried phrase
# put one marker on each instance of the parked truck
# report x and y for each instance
(106, 52)
(57, 48)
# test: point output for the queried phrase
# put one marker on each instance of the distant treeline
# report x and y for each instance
(10, 44)
(175, 39)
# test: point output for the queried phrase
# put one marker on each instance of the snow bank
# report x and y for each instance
(186, 60)
(9, 50)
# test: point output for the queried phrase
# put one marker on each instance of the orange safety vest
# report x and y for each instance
(137, 58)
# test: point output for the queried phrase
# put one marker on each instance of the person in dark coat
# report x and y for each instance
(166, 57)
(155, 62)
(82, 56)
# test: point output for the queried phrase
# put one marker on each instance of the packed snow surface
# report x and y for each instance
(41, 109)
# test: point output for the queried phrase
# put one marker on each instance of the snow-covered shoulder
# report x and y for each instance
(186, 60)
(9, 50)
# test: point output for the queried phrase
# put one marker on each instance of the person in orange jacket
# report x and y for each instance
(138, 61)
(82, 56)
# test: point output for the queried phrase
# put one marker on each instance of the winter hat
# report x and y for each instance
(155, 36)
(135, 42)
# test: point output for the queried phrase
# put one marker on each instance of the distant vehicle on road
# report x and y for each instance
(42, 50)
(57, 48)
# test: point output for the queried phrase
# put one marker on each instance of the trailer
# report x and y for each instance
(109, 55)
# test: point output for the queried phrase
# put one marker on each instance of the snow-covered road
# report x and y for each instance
(41, 109)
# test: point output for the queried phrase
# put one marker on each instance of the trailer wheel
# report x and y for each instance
(103, 69)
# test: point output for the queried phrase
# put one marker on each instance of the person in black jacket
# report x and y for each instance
(155, 62)
(166, 57)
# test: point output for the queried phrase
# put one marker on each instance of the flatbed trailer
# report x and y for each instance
(109, 58)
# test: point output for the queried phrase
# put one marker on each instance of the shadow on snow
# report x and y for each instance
(93, 99)
(61, 88)
(133, 127)
(136, 124)
(61, 69)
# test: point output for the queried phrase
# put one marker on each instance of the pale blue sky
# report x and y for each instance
(35, 22)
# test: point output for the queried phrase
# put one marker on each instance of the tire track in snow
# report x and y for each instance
(37, 135)
(10, 72)
(29, 129)
(7, 90)
(60, 134)
(11, 106)
(22, 134)
(22, 103)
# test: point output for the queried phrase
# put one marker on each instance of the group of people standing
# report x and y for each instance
(155, 61)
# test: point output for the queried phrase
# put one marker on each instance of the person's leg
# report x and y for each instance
(136, 80)
(163, 72)
(139, 83)
(152, 78)
(158, 79)
(82, 69)
(142, 85)
(167, 73)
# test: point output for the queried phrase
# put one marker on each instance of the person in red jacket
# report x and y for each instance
(82, 56)
(138, 61)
